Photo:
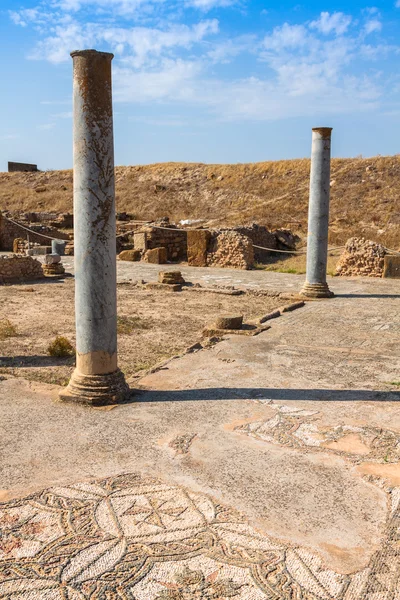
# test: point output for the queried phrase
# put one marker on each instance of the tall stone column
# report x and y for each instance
(96, 379)
(318, 215)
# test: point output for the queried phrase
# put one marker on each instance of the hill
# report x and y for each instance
(365, 194)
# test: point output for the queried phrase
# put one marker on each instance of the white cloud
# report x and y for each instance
(286, 36)
(140, 42)
(372, 25)
(124, 7)
(172, 80)
(225, 51)
(327, 23)
(209, 4)
(25, 16)
(298, 69)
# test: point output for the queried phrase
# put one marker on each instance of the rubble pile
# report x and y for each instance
(230, 249)
(362, 257)
(16, 268)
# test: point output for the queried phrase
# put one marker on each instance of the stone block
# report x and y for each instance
(53, 269)
(164, 287)
(229, 322)
(130, 255)
(157, 256)
(39, 250)
(140, 241)
(52, 259)
(170, 277)
(391, 267)
(17, 243)
(197, 241)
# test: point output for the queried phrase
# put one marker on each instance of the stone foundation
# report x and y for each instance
(361, 257)
(17, 268)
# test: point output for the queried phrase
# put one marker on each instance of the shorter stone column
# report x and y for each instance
(318, 215)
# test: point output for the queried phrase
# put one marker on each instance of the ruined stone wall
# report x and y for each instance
(14, 167)
(57, 220)
(15, 268)
(230, 249)
(173, 240)
(361, 257)
(9, 231)
(260, 236)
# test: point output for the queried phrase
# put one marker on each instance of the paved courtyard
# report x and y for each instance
(264, 467)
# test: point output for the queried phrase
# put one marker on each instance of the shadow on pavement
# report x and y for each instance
(394, 296)
(262, 394)
(36, 361)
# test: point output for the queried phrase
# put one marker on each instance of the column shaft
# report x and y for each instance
(97, 379)
(318, 215)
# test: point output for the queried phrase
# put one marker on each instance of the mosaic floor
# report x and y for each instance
(138, 538)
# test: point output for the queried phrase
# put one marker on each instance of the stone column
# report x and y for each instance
(318, 215)
(96, 379)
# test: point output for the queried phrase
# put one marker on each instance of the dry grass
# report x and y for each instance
(297, 265)
(365, 194)
(153, 325)
(61, 347)
(7, 329)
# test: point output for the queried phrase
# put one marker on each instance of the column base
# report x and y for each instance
(316, 290)
(96, 390)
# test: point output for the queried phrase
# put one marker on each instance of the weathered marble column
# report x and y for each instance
(318, 215)
(96, 379)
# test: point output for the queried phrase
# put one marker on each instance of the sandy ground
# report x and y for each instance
(153, 325)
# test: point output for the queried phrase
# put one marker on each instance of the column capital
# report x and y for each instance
(325, 132)
(92, 53)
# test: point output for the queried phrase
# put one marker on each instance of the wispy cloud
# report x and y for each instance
(337, 23)
(323, 65)
(45, 126)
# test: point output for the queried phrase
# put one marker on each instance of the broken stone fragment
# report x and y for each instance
(157, 256)
(130, 255)
(52, 259)
(229, 322)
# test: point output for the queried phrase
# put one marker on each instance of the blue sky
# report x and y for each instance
(204, 80)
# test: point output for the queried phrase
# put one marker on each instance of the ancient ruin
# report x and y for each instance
(16, 268)
(258, 455)
(361, 257)
(96, 379)
(318, 215)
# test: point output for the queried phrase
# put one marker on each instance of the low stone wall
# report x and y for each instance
(174, 240)
(9, 232)
(260, 236)
(15, 268)
(230, 249)
(361, 257)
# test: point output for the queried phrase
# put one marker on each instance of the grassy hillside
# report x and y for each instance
(365, 194)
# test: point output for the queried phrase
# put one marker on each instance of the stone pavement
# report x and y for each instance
(264, 467)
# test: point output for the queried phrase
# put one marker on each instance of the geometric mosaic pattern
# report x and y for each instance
(134, 537)
(297, 428)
